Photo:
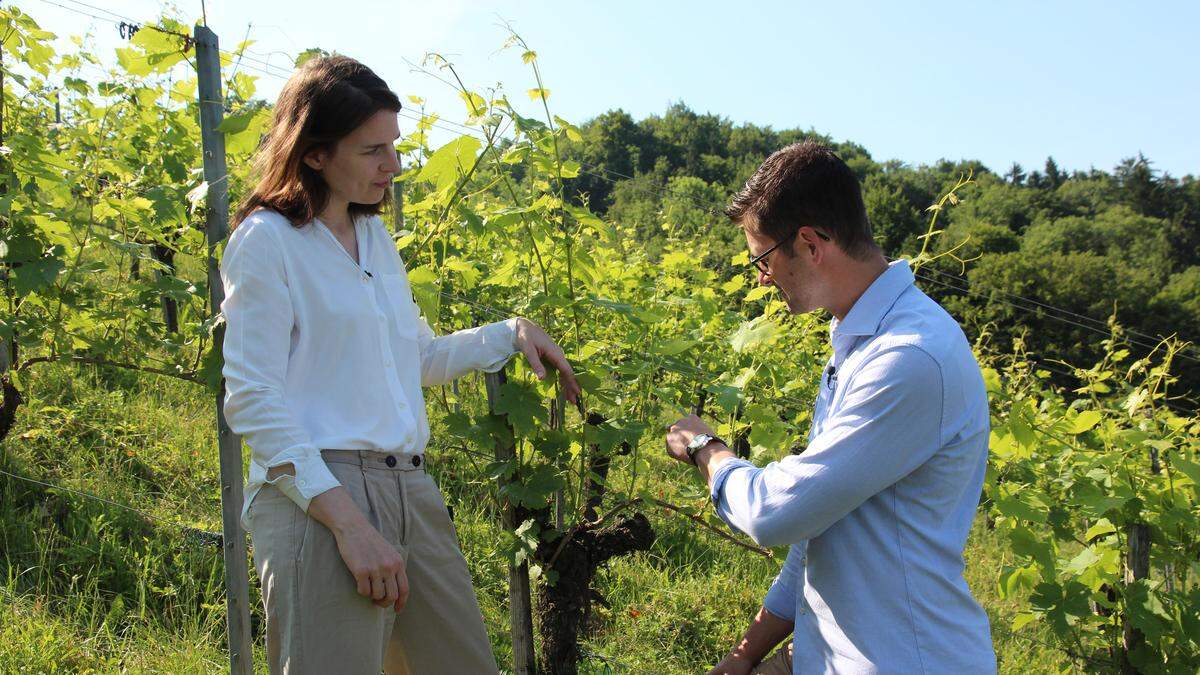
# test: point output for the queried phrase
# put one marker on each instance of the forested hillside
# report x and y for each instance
(1121, 243)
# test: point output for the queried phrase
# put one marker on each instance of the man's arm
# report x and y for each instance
(710, 457)
(769, 628)
(764, 633)
(888, 424)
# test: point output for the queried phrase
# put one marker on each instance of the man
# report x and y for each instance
(878, 507)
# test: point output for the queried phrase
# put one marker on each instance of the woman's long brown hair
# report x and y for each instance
(323, 102)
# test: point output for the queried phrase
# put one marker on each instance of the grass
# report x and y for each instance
(89, 587)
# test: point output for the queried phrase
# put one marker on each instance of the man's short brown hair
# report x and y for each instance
(805, 184)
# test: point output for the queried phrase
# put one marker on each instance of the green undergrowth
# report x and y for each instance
(86, 586)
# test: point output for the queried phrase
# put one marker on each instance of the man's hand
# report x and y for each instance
(377, 567)
(536, 345)
(764, 633)
(681, 433)
(732, 665)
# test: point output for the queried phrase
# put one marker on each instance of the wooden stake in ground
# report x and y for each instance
(1137, 567)
(237, 579)
(520, 611)
(10, 398)
(397, 206)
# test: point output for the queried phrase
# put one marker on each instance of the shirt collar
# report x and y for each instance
(868, 311)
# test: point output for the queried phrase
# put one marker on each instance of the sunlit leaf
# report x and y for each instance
(1085, 421)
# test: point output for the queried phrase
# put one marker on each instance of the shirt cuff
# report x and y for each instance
(781, 600)
(499, 338)
(722, 472)
(312, 478)
(726, 467)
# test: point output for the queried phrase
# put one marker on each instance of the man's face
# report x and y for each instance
(789, 269)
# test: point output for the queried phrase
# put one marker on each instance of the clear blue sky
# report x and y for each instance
(1086, 82)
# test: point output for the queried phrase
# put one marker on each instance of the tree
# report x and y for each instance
(1054, 177)
(615, 147)
(1139, 187)
(994, 201)
(1015, 175)
(895, 220)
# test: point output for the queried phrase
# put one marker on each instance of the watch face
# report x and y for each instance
(699, 440)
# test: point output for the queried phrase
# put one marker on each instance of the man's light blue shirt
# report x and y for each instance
(878, 507)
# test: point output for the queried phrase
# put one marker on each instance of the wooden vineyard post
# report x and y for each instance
(237, 580)
(8, 401)
(520, 612)
(397, 206)
(1137, 567)
(558, 410)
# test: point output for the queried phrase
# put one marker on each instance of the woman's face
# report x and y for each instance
(360, 168)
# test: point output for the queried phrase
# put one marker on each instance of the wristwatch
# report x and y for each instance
(699, 441)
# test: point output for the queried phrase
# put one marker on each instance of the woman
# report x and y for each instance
(325, 357)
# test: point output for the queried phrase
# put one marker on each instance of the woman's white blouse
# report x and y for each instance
(322, 352)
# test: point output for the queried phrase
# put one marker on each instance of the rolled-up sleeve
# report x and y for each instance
(258, 325)
(889, 423)
(781, 598)
(722, 472)
(447, 357)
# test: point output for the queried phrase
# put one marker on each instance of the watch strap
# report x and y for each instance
(691, 452)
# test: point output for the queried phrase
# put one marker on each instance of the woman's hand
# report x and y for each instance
(377, 567)
(536, 345)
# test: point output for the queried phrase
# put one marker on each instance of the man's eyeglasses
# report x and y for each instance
(760, 261)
